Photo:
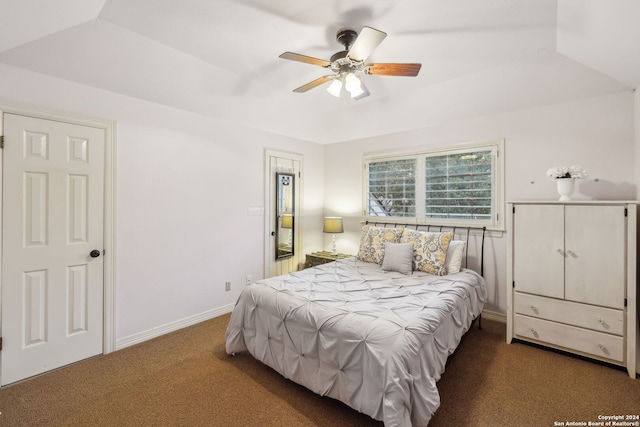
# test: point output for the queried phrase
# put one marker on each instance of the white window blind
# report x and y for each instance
(392, 188)
(461, 186)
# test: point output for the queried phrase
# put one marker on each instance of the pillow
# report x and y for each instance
(453, 263)
(372, 242)
(430, 250)
(398, 257)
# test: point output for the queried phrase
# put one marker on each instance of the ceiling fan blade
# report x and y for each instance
(368, 39)
(314, 83)
(306, 59)
(407, 70)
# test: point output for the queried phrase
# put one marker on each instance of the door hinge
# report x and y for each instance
(626, 213)
(1, 141)
(625, 302)
(0, 343)
(513, 284)
(514, 209)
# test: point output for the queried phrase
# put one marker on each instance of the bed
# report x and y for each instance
(367, 330)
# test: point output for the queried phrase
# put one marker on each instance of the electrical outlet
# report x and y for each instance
(249, 279)
(227, 286)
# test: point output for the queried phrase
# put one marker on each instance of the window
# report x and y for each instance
(462, 186)
(392, 188)
(458, 186)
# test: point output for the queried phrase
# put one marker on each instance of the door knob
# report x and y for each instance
(94, 253)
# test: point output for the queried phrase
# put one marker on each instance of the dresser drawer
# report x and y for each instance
(599, 319)
(570, 337)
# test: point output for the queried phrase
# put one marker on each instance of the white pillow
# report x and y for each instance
(455, 253)
(398, 257)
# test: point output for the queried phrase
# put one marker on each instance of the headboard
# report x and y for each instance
(460, 231)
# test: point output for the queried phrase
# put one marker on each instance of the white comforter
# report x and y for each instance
(377, 341)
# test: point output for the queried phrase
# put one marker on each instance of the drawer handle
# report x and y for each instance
(603, 323)
(534, 332)
(604, 349)
(534, 308)
(561, 252)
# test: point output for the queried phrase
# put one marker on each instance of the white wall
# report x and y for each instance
(636, 97)
(597, 133)
(637, 176)
(184, 183)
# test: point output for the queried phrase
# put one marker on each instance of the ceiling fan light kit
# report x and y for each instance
(349, 64)
(352, 83)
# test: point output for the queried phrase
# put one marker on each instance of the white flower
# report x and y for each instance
(560, 172)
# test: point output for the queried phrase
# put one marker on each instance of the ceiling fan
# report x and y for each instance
(349, 64)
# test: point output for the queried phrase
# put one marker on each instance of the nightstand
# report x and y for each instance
(323, 257)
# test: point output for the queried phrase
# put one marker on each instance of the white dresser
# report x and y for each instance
(571, 275)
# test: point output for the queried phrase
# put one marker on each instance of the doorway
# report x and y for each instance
(283, 216)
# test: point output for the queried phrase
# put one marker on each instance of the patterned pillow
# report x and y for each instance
(430, 250)
(372, 242)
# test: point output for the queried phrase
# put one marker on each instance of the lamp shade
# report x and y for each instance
(335, 88)
(333, 224)
(287, 221)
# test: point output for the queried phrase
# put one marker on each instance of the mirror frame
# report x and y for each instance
(285, 250)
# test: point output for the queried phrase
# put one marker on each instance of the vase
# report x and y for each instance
(565, 188)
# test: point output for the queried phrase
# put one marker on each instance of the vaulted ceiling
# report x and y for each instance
(220, 58)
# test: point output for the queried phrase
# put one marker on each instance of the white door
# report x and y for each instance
(52, 228)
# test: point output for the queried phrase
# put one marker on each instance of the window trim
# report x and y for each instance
(496, 223)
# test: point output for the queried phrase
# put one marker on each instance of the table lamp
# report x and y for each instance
(333, 225)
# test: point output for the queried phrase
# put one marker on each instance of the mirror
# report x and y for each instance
(285, 218)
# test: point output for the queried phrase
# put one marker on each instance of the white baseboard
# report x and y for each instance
(495, 316)
(173, 326)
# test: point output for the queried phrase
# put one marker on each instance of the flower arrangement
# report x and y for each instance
(561, 172)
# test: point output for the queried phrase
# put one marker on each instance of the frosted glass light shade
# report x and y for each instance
(351, 82)
(335, 88)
